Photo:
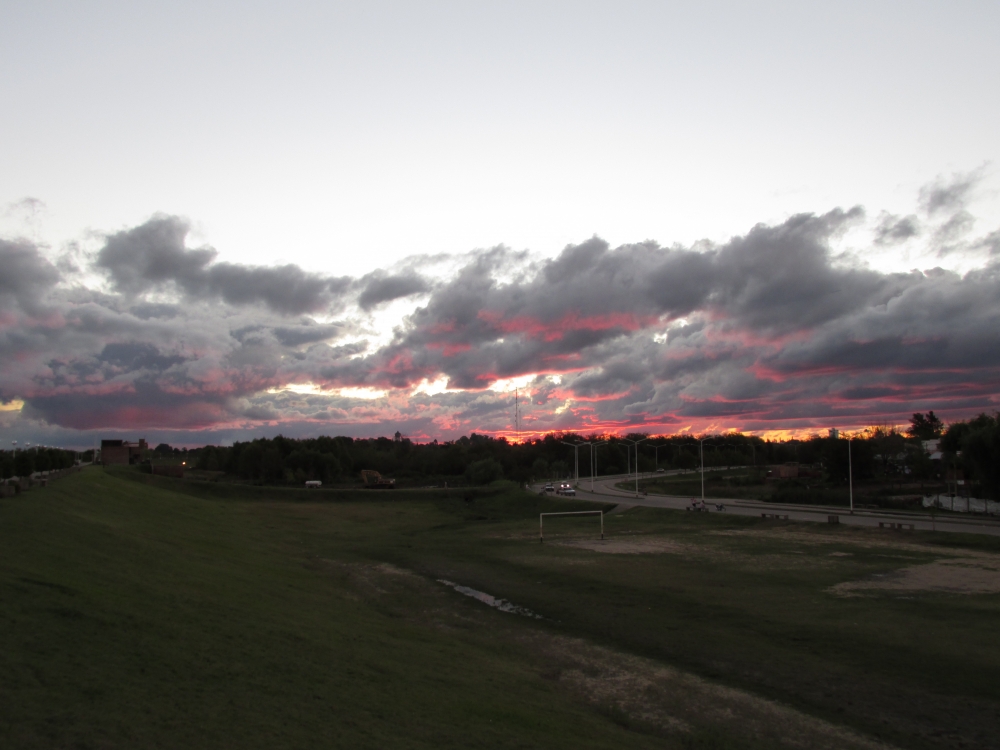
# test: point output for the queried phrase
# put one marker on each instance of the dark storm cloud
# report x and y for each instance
(25, 276)
(154, 255)
(940, 320)
(147, 310)
(137, 356)
(783, 279)
(306, 334)
(773, 280)
(379, 288)
(768, 328)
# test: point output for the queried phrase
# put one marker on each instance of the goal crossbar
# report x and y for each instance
(541, 520)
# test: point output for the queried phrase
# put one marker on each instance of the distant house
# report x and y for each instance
(788, 470)
(115, 452)
(932, 448)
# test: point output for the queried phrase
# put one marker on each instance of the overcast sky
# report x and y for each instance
(186, 188)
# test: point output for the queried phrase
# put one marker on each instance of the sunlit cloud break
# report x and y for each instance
(785, 328)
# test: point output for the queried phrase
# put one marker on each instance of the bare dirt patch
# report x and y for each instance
(675, 702)
(626, 546)
(861, 538)
(956, 576)
(646, 545)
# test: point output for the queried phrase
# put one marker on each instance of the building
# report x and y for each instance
(788, 470)
(122, 451)
(834, 433)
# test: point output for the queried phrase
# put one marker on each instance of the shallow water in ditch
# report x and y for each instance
(502, 604)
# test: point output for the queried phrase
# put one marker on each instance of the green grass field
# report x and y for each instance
(142, 612)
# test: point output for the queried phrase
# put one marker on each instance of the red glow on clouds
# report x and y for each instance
(746, 339)
(449, 350)
(400, 363)
(533, 328)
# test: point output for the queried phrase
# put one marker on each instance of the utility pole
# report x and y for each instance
(701, 451)
(850, 474)
(593, 461)
(636, 444)
(517, 416)
(576, 460)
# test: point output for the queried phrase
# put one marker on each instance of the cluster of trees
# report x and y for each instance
(480, 459)
(25, 462)
(974, 448)
(967, 448)
(475, 459)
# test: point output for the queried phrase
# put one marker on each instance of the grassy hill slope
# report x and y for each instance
(151, 614)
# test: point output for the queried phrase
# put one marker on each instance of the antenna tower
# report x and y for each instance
(517, 416)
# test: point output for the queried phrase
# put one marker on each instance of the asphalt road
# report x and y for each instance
(605, 491)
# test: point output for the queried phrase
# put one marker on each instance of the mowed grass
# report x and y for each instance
(140, 614)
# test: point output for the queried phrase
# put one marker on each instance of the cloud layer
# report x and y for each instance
(772, 330)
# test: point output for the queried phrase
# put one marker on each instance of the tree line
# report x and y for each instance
(26, 461)
(878, 451)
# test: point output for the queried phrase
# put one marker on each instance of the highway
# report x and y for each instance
(605, 491)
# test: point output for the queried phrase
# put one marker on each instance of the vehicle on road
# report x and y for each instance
(548, 488)
(566, 489)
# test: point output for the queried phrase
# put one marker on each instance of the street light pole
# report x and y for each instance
(701, 451)
(576, 460)
(656, 449)
(593, 461)
(636, 444)
(850, 474)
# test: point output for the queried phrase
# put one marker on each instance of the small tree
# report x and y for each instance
(925, 427)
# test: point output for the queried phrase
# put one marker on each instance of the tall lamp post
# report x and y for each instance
(701, 451)
(850, 473)
(576, 459)
(656, 448)
(593, 460)
(636, 444)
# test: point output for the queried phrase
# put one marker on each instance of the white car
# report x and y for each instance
(566, 489)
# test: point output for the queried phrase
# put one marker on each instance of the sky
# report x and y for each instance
(224, 220)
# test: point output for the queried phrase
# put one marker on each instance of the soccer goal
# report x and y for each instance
(541, 520)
